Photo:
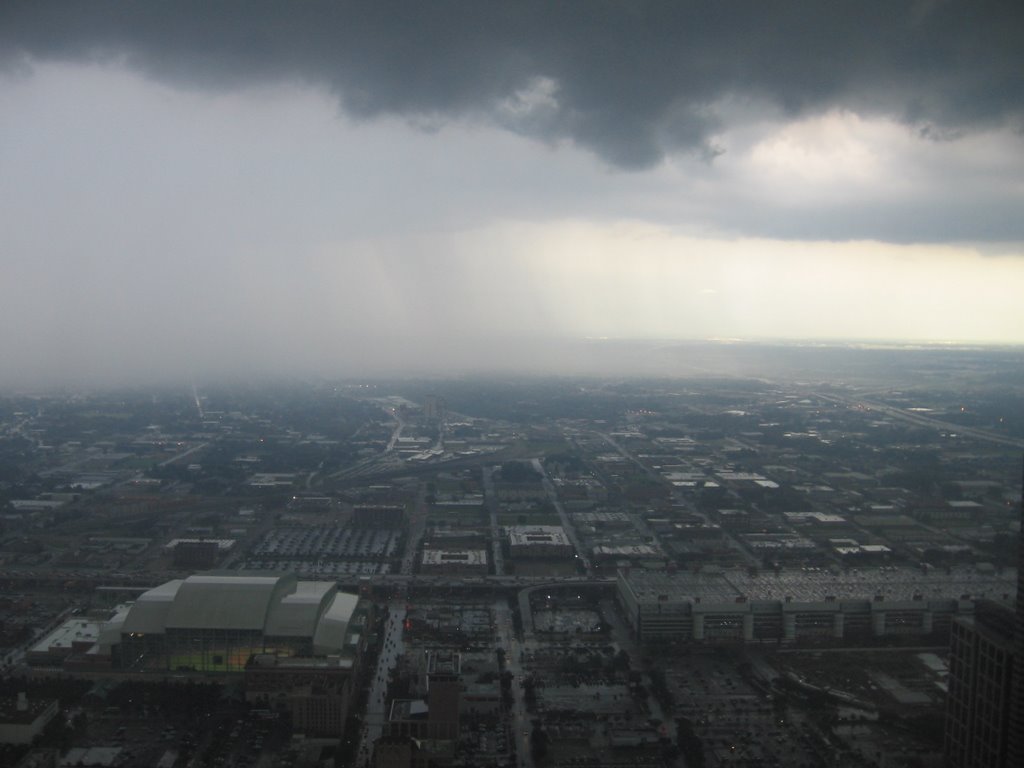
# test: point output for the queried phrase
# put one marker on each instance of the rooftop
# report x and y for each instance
(277, 606)
(523, 535)
(815, 585)
(454, 556)
(67, 634)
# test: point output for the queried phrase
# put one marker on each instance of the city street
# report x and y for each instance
(505, 637)
(376, 713)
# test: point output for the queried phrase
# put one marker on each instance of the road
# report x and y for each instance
(624, 639)
(183, 454)
(645, 529)
(387, 461)
(57, 580)
(417, 525)
(630, 457)
(377, 700)
(506, 638)
(923, 421)
(567, 525)
(492, 508)
(16, 658)
(313, 474)
(397, 433)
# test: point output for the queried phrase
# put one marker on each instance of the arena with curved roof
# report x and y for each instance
(215, 622)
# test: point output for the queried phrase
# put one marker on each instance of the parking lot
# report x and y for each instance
(334, 541)
(567, 621)
(319, 568)
(735, 721)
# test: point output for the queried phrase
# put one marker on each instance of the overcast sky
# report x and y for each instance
(192, 188)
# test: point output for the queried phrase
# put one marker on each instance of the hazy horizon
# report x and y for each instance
(233, 190)
(856, 362)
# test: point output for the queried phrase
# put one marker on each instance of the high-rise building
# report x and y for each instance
(1015, 740)
(444, 691)
(435, 408)
(981, 666)
(436, 718)
(985, 707)
(316, 691)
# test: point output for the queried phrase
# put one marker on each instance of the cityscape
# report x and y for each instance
(717, 570)
(511, 384)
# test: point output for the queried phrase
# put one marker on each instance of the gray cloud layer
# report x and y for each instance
(631, 81)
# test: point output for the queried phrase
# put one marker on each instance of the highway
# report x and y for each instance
(78, 581)
(397, 433)
(183, 454)
(922, 420)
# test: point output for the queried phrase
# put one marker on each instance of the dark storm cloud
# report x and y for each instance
(631, 81)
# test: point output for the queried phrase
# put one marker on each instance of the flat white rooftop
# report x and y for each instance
(442, 557)
(527, 535)
(70, 632)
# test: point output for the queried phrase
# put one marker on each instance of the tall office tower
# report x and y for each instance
(1015, 745)
(980, 673)
(444, 692)
(985, 706)
(435, 408)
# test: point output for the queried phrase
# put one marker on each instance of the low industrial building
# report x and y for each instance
(806, 605)
(76, 635)
(198, 553)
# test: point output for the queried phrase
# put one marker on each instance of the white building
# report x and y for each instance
(461, 561)
(539, 541)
